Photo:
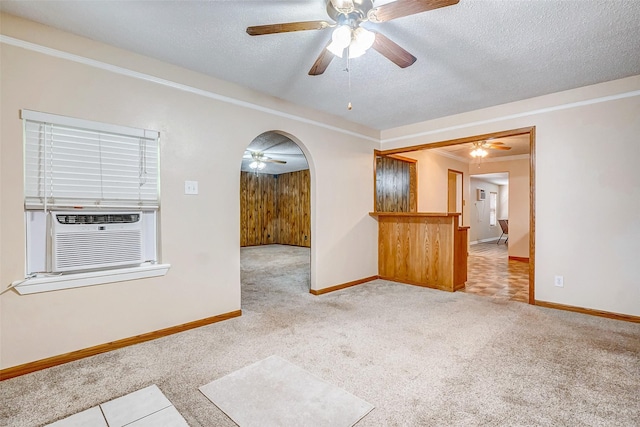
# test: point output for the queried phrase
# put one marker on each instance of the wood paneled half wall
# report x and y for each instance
(275, 209)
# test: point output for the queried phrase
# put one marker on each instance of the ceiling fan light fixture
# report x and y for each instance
(343, 6)
(479, 152)
(257, 165)
(362, 41)
(340, 39)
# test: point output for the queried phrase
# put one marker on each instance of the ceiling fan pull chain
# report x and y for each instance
(349, 107)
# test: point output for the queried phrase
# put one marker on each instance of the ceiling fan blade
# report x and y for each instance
(323, 61)
(498, 147)
(282, 162)
(260, 30)
(392, 51)
(400, 8)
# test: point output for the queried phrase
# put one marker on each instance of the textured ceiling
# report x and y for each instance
(475, 54)
(277, 147)
(519, 145)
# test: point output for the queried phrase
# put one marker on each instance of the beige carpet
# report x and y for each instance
(422, 357)
(275, 393)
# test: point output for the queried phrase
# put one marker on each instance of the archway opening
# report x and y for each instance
(275, 220)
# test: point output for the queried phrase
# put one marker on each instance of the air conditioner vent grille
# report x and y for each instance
(97, 218)
(95, 240)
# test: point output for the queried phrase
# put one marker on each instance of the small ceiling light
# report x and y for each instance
(340, 39)
(479, 152)
(362, 41)
(257, 165)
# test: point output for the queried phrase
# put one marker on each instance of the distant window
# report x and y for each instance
(493, 204)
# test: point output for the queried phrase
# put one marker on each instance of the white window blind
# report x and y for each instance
(76, 163)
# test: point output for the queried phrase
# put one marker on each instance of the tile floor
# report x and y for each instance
(491, 273)
(143, 408)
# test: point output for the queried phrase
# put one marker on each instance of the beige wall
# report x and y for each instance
(480, 229)
(433, 174)
(202, 139)
(587, 187)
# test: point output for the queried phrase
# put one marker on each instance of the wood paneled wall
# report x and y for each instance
(258, 216)
(294, 208)
(275, 209)
(396, 185)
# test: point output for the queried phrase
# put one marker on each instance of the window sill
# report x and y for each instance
(53, 283)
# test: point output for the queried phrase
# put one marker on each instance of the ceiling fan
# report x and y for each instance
(479, 148)
(260, 160)
(349, 35)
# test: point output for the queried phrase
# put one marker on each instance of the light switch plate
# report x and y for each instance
(191, 187)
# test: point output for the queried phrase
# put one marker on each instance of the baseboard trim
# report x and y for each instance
(590, 311)
(491, 239)
(518, 258)
(49, 362)
(342, 286)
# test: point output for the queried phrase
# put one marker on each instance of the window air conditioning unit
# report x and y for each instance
(481, 194)
(95, 240)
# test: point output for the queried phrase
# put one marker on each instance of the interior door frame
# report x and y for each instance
(460, 196)
(531, 131)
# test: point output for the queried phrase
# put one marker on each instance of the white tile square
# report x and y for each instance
(92, 417)
(134, 406)
(168, 417)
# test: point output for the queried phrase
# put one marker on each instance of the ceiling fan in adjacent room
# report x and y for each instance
(479, 148)
(350, 36)
(260, 160)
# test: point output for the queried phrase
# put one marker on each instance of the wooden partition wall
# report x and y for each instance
(275, 209)
(396, 184)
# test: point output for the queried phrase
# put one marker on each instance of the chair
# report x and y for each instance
(504, 224)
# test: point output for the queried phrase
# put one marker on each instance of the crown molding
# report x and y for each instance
(567, 106)
(222, 98)
(175, 85)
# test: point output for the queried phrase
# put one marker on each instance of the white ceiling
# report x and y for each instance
(519, 146)
(501, 178)
(276, 147)
(475, 54)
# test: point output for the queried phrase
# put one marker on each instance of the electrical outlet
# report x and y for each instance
(558, 281)
(191, 187)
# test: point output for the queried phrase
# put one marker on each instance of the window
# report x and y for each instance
(91, 199)
(493, 204)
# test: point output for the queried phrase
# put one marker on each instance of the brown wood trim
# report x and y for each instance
(590, 311)
(518, 258)
(342, 286)
(376, 153)
(49, 362)
(502, 134)
(415, 214)
(462, 207)
(402, 158)
(532, 215)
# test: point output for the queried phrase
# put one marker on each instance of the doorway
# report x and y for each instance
(275, 221)
(525, 228)
(490, 271)
(455, 199)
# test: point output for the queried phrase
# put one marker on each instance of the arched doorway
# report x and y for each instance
(275, 220)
